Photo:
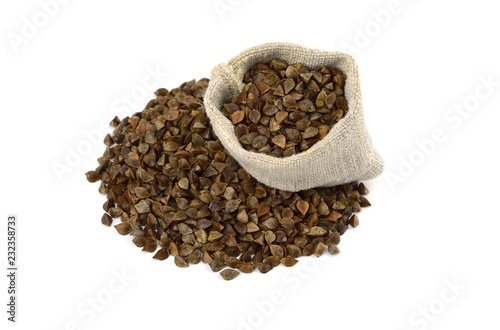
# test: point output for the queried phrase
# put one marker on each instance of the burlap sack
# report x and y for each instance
(344, 155)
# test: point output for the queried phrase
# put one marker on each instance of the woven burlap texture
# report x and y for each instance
(344, 155)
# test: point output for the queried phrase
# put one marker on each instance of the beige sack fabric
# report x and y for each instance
(344, 155)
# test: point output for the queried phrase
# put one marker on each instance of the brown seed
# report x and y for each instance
(233, 262)
(306, 77)
(115, 122)
(271, 79)
(214, 236)
(280, 236)
(302, 124)
(232, 107)
(334, 216)
(276, 250)
(92, 176)
(142, 207)
(242, 216)
(308, 249)
(320, 100)
(273, 125)
(323, 209)
(173, 249)
(362, 189)
(340, 102)
(302, 207)
(259, 142)
(260, 192)
(364, 202)
(289, 261)
(142, 192)
(262, 87)
(296, 115)
(293, 250)
(292, 73)
(252, 227)
(319, 249)
(115, 212)
(334, 238)
(184, 229)
(150, 246)
(170, 146)
(206, 258)
(216, 265)
(268, 110)
(218, 188)
(194, 258)
(263, 209)
(322, 131)
(293, 134)
(186, 249)
(106, 220)
(288, 85)
(356, 207)
(339, 205)
(184, 183)
(270, 237)
(103, 189)
(301, 241)
(162, 254)
(264, 267)
(238, 117)
(150, 137)
(172, 114)
(108, 140)
(279, 91)
(139, 241)
(274, 261)
(254, 116)
(306, 105)
(333, 249)
(123, 228)
(287, 213)
(229, 274)
(246, 257)
(317, 231)
(246, 267)
(310, 132)
(330, 100)
(180, 261)
(270, 223)
(354, 222)
(279, 140)
(281, 116)
(341, 228)
(289, 102)
(278, 65)
(232, 205)
(287, 223)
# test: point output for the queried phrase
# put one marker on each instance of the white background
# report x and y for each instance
(433, 219)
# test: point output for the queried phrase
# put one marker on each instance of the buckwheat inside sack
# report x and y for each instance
(285, 109)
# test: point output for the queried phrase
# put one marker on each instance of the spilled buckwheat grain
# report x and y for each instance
(180, 194)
